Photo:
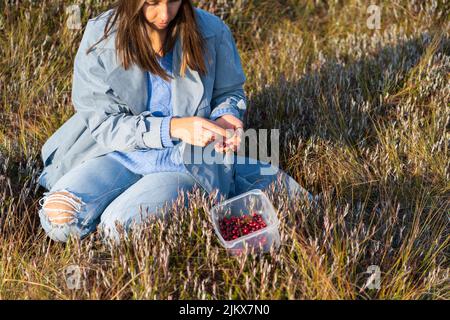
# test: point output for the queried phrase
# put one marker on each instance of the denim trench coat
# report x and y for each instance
(110, 104)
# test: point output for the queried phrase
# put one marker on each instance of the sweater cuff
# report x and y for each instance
(166, 139)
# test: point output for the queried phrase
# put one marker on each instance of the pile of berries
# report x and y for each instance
(235, 227)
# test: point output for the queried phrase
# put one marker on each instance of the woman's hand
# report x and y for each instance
(230, 122)
(196, 130)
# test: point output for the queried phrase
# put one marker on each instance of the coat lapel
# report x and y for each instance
(131, 86)
(187, 91)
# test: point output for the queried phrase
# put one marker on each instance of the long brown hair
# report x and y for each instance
(133, 44)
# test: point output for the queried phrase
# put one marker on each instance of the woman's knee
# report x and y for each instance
(132, 214)
(60, 213)
(125, 216)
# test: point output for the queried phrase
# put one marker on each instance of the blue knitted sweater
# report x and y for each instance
(159, 102)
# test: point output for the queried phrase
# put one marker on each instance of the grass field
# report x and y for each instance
(364, 118)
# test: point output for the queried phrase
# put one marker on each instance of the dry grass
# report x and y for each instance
(364, 120)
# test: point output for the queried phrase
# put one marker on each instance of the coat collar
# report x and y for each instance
(130, 85)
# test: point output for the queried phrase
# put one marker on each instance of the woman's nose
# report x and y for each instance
(164, 14)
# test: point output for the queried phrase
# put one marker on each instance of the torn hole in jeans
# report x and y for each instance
(64, 197)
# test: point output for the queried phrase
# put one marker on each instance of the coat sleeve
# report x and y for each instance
(108, 119)
(228, 95)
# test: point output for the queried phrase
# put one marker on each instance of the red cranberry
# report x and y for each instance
(235, 227)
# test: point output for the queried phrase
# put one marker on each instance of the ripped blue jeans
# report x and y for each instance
(101, 192)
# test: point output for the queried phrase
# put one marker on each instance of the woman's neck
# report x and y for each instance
(157, 39)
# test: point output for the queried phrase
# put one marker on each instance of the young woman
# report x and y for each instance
(155, 83)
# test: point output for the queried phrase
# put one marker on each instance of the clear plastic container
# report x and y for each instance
(245, 204)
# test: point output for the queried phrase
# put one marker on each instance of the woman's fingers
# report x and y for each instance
(207, 137)
(228, 139)
(238, 133)
(230, 144)
(235, 141)
(218, 147)
(221, 148)
(211, 126)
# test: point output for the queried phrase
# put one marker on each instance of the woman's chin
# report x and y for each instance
(159, 27)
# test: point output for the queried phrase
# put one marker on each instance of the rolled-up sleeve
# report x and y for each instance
(228, 94)
(166, 139)
(108, 119)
